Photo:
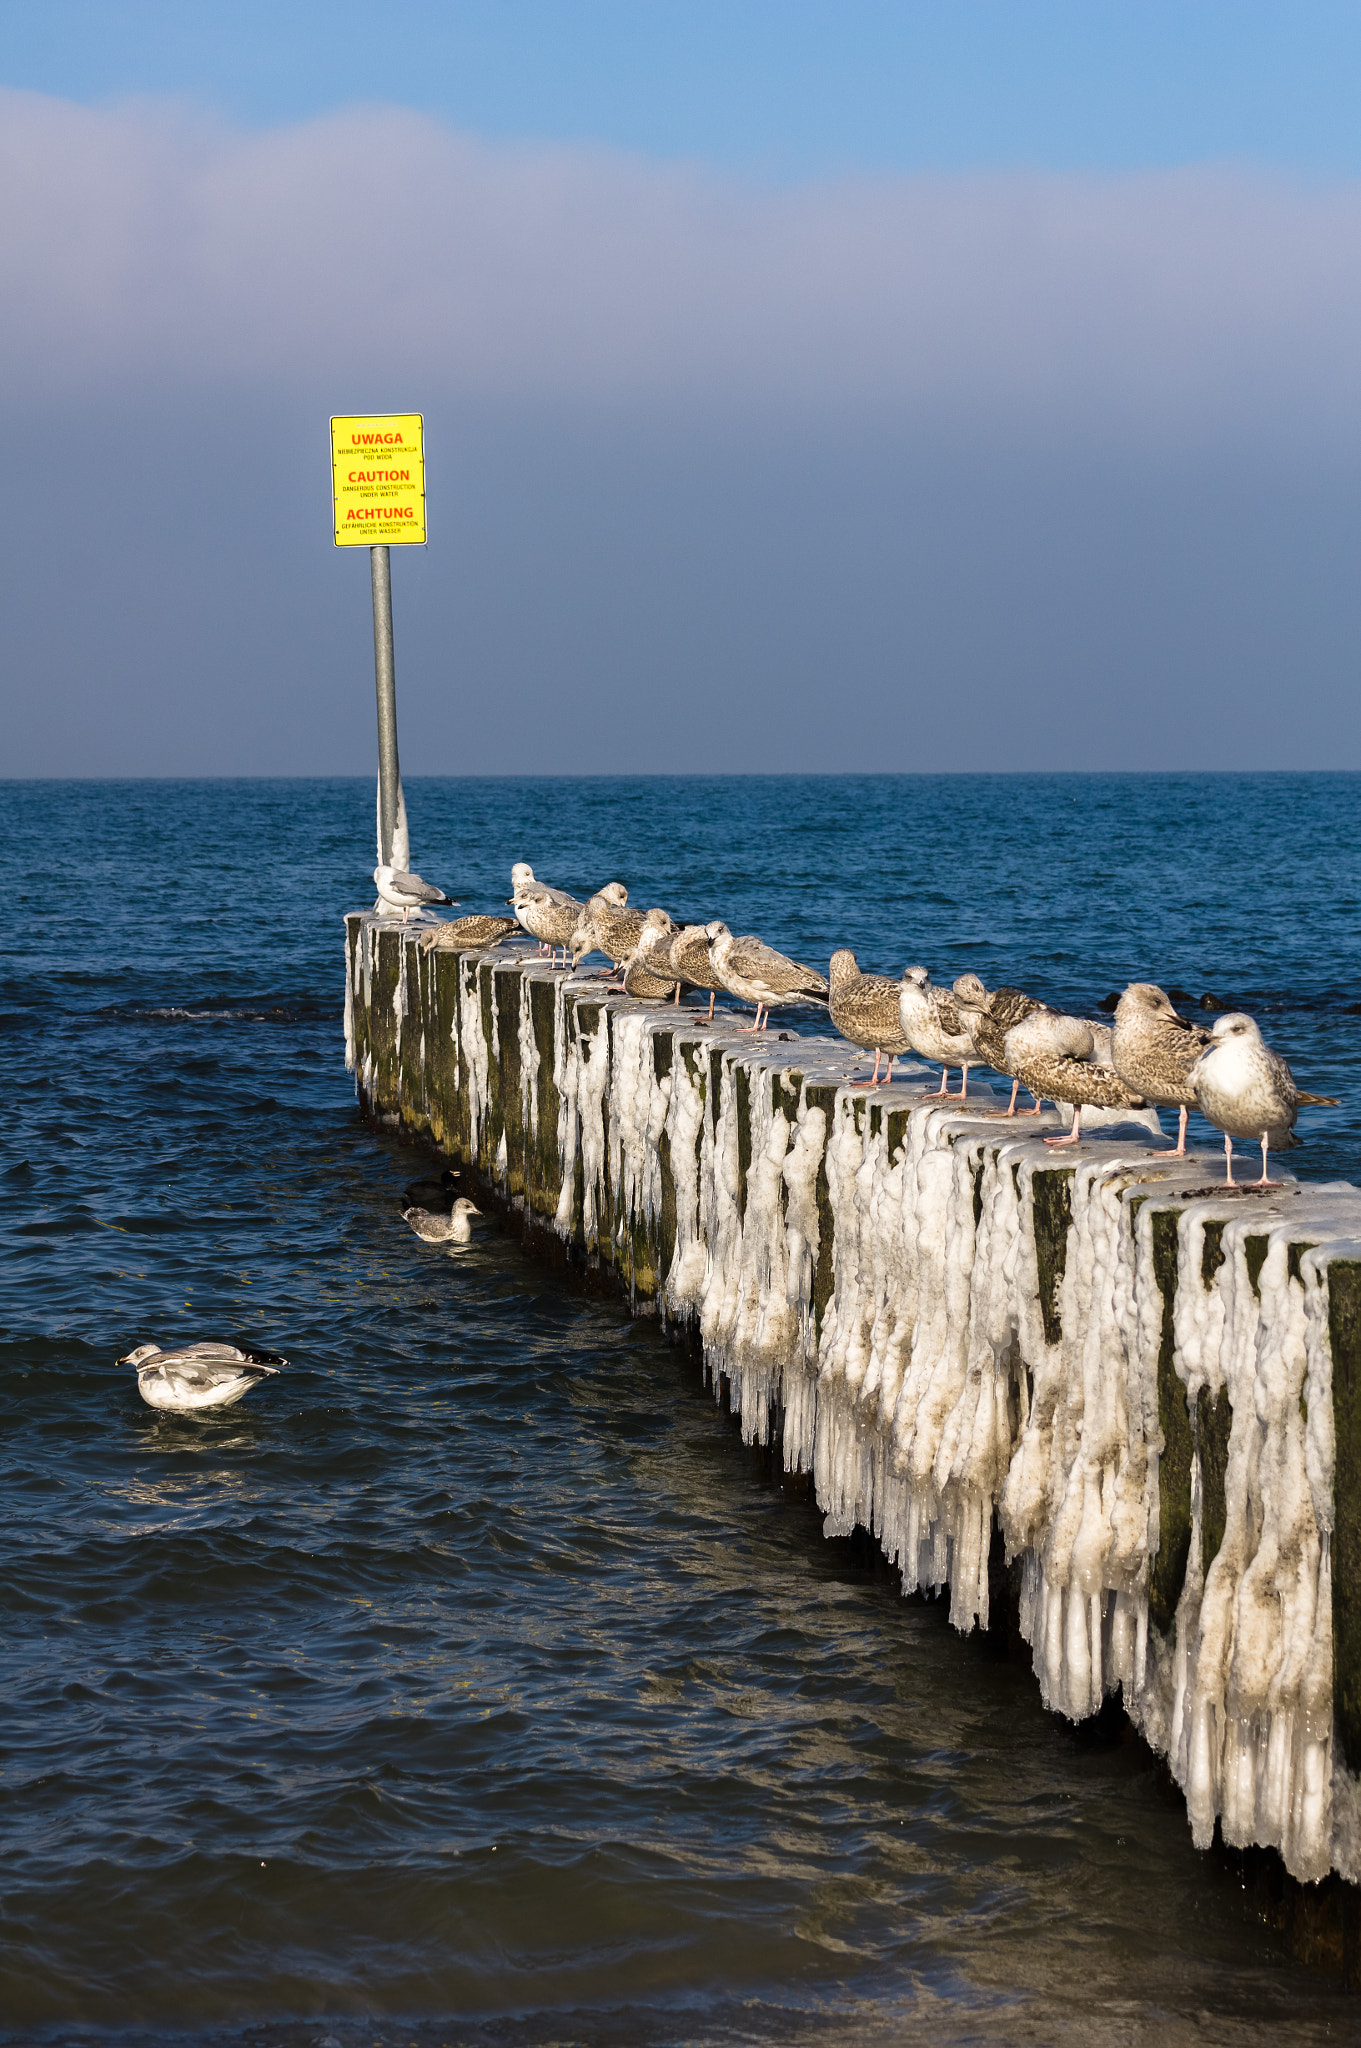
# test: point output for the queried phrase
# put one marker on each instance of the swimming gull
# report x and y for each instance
(547, 914)
(433, 1228)
(755, 973)
(1248, 1091)
(474, 934)
(933, 1026)
(987, 1016)
(652, 953)
(690, 960)
(406, 892)
(1154, 1051)
(198, 1376)
(864, 1008)
(1068, 1060)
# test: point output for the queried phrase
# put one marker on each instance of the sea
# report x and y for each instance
(471, 1682)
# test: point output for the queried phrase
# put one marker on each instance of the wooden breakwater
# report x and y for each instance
(1148, 1389)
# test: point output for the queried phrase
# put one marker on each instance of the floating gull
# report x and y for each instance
(865, 1009)
(548, 915)
(1248, 1091)
(422, 1193)
(198, 1376)
(406, 892)
(652, 952)
(1154, 1051)
(987, 1017)
(467, 934)
(606, 926)
(690, 960)
(1068, 1060)
(433, 1228)
(933, 1026)
(755, 973)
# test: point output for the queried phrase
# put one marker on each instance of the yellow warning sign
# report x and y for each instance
(378, 471)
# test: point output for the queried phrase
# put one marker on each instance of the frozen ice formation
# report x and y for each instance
(1085, 1368)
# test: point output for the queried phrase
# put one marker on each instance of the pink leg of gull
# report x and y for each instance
(874, 1077)
(1180, 1152)
(1075, 1134)
(944, 1078)
(712, 994)
(964, 1081)
(1228, 1161)
(1264, 1182)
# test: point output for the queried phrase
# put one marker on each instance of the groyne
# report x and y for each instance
(1147, 1389)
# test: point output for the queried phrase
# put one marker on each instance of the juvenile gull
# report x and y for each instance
(199, 1376)
(755, 973)
(433, 1228)
(646, 971)
(932, 1025)
(467, 934)
(406, 892)
(1068, 1059)
(548, 915)
(1248, 1091)
(865, 1009)
(987, 1017)
(1154, 1051)
(690, 960)
(606, 926)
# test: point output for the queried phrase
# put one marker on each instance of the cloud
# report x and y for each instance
(376, 252)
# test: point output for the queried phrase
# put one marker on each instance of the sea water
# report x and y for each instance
(473, 1682)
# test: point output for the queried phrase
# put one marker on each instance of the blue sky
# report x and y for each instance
(806, 386)
(785, 88)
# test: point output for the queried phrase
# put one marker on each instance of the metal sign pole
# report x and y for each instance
(385, 678)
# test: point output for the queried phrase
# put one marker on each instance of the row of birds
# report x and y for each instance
(1149, 1055)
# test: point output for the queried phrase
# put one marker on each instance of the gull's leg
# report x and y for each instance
(944, 1078)
(1228, 1161)
(889, 1075)
(713, 992)
(874, 1077)
(1015, 1091)
(1180, 1152)
(1074, 1136)
(675, 999)
(964, 1081)
(1264, 1182)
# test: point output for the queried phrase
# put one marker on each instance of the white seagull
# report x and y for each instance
(406, 892)
(433, 1228)
(199, 1376)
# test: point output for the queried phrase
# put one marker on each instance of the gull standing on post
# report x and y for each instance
(1068, 1060)
(647, 970)
(755, 973)
(933, 1026)
(548, 915)
(1154, 1051)
(987, 1017)
(606, 926)
(690, 961)
(865, 1009)
(1248, 1091)
(406, 892)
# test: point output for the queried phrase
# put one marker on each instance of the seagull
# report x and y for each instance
(1067, 1059)
(933, 1026)
(474, 934)
(454, 1228)
(1154, 1051)
(690, 960)
(406, 892)
(606, 926)
(548, 915)
(865, 1009)
(421, 1192)
(755, 973)
(1249, 1091)
(199, 1376)
(987, 1017)
(652, 951)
